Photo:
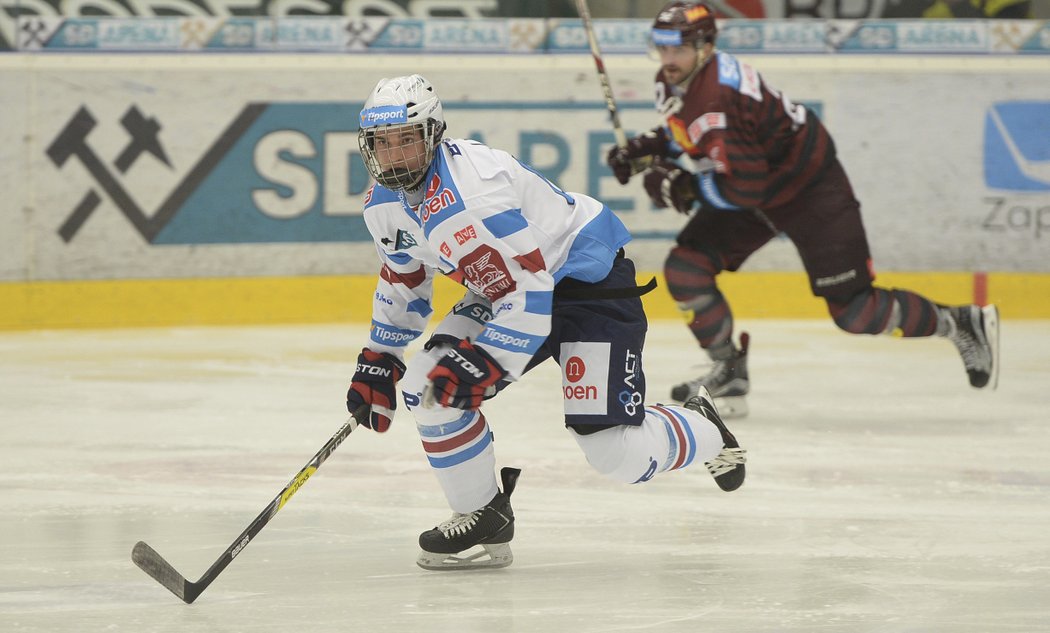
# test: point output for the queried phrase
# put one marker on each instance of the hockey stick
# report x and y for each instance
(154, 564)
(638, 165)
(603, 77)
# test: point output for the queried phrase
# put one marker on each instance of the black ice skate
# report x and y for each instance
(728, 466)
(975, 332)
(491, 528)
(727, 382)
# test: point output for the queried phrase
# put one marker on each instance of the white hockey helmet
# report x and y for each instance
(394, 105)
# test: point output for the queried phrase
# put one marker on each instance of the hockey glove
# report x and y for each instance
(374, 388)
(668, 185)
(464, 377)
(635, 156)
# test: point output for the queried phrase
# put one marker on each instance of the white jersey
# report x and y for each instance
(498, 227)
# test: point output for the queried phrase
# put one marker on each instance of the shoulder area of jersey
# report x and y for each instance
(378, 194)
(487, 162)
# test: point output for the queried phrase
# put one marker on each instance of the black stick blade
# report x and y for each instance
(154, 564)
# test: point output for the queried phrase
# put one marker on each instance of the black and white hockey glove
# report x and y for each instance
(668, 185)
(635, 156)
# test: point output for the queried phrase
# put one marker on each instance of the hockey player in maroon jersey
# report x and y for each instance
(747, 164)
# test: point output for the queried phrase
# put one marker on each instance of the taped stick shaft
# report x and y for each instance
(151, 562)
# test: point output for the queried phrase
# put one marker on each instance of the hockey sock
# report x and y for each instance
(670, 438)
(461, 454)
(690, 277)
(876, 310)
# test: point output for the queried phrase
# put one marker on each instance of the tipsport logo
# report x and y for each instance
(279, 172)
(1017, 146)
(383, 115)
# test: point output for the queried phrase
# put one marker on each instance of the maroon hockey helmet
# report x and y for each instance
(681, 23)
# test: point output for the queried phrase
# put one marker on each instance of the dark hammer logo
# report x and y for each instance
(144, 139)
(72, 141)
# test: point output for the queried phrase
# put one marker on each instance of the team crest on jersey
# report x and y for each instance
(485, 270)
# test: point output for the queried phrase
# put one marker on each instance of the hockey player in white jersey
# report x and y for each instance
(546, 277)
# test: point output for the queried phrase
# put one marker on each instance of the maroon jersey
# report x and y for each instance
(765, 148)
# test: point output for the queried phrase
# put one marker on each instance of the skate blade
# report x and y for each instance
(731, 407)
(990, 317)
(488, 557)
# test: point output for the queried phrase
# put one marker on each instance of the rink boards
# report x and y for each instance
(326, 299)
(167, 189)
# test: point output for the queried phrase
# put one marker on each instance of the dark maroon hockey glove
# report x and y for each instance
(630, 160)
(464, 377)
(668, 185)
(373, 389)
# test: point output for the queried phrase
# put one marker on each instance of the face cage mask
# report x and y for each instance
(398, 175)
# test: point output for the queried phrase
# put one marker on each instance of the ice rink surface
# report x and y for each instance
(883, 493)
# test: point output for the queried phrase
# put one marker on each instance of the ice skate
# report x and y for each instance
(727, 382)
(975, 332)
(485, 533)
(728, 466)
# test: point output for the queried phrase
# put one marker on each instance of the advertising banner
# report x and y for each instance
(378, 34)
(197, 166)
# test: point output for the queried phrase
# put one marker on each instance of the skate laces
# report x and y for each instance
(720, 370)
(459, 524)
(726, 461)
(971, 352)
(965, 338)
